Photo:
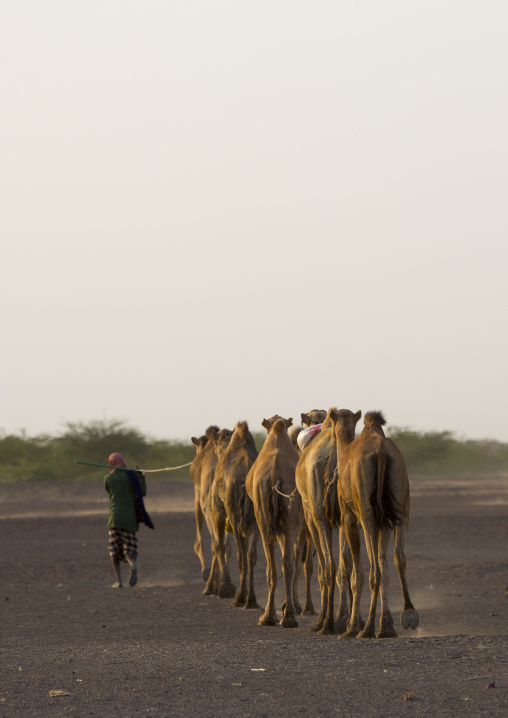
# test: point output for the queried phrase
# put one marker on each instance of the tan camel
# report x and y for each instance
(202, 471)
(373, 490)
(277, 505)
(220, 442)
(230, 501)
(316, 481)
(204, 445)
(303, 547)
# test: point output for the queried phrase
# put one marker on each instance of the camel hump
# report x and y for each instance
(212, 432)
(242, 428)
(374, 419)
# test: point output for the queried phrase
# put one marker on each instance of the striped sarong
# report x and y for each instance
(121, 544)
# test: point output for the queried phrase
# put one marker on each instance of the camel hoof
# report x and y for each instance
(205, 573)
(239, 602)
(316, 627)
(252, 604)
(389, 633)
(341, 624)
(369, 633)
(409, 619)
(327, 630)
(209, 592)
(227, 590)
(267, 621)
(348, 634)
(289, 622)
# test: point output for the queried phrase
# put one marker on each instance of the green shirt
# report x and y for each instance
(122, 511)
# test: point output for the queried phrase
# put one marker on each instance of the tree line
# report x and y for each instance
(46, 457)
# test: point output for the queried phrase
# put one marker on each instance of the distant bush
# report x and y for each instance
(442, 453)
(53, 457)
(45, 457)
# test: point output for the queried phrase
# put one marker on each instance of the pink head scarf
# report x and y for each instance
(116, 459)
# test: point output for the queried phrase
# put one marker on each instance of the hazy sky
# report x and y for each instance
(214, 211)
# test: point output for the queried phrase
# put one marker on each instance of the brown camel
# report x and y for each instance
(202, 472)
(230, 501)
(303, 547)
(316, 478)
(373, 490)
(204, 445)
(277, 505)
(221, 440)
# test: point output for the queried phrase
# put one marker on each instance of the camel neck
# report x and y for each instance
(343, 439)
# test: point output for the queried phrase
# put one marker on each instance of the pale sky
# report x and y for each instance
(216, 211)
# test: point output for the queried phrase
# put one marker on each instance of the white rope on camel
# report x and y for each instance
(168, 468)
(124, 468)
(290, 496)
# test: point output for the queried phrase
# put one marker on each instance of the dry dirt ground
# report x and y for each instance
(164, 649)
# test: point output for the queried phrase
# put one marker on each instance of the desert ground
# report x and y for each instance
(163, 649)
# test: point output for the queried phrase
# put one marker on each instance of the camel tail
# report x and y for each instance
(275, 511)
(387, 511)
(331, 503)
(246, 512)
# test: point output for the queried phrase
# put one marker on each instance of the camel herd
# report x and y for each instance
(299, 499)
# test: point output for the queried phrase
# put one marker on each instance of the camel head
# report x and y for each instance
(344, 423)
(222, 441)
(316, 416)
(268, 423)
(199, 443)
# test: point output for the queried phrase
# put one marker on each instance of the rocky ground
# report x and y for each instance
(164, 649)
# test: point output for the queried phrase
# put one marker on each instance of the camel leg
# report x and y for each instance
(241, 545)
(211, 585)
(386, 628)
(252, 557)
(308, 609)
(226, 588)
(373, 538)
(325, 537)
(198, 543)
(409, 618)
(321, 575)
(287, 542)
(343, 583)
(299, 545)
(352, 532)
(269, 616)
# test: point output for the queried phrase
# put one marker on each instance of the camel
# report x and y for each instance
(303, 547)
(373, 491)
(271, 485)
(195, 472)
(202, 472)
(230, 501)
(315, 479)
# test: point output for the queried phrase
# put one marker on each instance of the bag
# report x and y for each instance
(306, 436)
